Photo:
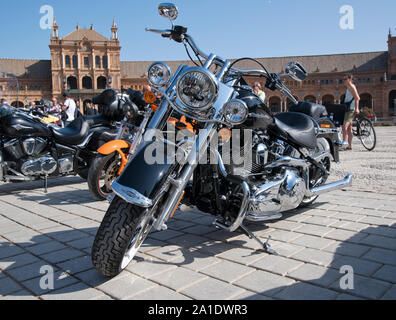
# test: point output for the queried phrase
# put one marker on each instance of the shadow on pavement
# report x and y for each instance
(68, 253)
(69, 196)
(7, 188)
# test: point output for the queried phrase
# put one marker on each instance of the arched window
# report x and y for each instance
(327, 99)
(67, 62)
(366, 100)
(105, 62)
(71, 83)
(17, 104)
(101, 82)
(310, 99)
(75, 62)
(392, 102)
(275, 104)
(87, 82)
(97, 61)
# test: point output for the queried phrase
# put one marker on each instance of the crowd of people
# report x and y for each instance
(69, 110)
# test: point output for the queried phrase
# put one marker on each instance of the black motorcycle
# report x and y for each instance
(241, 162)
(31, 149)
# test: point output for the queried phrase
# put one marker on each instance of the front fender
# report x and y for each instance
(140, 181)
(113, 146)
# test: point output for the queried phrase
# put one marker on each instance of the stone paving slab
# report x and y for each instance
(193, 260)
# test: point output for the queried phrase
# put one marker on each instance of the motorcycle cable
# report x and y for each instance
(251, 59)
(188, 53)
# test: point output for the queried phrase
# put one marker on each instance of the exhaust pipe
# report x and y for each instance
(347, 182)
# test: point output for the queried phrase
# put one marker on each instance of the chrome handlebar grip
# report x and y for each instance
(165, 33)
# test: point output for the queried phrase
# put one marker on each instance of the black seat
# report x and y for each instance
(297, 127)
(313, 110)
(73, 134)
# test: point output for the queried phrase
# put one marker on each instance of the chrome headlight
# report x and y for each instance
(159, 74)
(235, 111)
(197, 89)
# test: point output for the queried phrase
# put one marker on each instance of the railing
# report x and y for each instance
(85, 91)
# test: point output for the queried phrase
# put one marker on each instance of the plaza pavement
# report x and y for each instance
(193, 260)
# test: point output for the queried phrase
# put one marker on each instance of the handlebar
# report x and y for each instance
(183, 36)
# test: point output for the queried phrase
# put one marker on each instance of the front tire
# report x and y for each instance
(102, 173)
(120, 235)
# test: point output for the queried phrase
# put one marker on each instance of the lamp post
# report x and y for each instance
(64, 83)
(109, 81)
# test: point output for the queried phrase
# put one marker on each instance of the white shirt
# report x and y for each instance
(71, 109)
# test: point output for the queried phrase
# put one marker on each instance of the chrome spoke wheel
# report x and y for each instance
(138, 238)
(108, 175)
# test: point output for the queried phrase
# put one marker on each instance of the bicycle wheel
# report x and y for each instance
(367, 134)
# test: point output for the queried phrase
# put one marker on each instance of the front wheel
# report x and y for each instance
(102, 173)
(120, 235)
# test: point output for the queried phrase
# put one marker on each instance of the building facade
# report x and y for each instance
(84, 63)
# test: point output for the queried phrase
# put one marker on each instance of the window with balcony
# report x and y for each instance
(86, 62)
(67, 62)
(105, 62)
(97, 61)
(75, 62)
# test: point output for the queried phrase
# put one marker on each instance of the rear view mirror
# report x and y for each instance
(168, 10)
(296, 71)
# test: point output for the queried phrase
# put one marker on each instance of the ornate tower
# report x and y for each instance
(84, 62)
(55, 29)
(114, 31)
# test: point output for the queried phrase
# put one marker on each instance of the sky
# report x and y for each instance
(231, 29)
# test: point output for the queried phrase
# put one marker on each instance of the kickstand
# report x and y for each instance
(46, 184)
(266, 246)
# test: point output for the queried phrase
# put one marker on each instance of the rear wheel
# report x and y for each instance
(367, 134)
(102, 173)
(120, 235)
(322, 146)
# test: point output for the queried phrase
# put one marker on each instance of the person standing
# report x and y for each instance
(3, 102)
(69, 108)
(56, 110)
(352, 99)
(89, 109)
(257, 90)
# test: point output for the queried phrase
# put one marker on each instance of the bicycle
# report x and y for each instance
(363, 128)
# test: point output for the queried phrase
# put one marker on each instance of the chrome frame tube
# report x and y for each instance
(246, 195)
(176, 191)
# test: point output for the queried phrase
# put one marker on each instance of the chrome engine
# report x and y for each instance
(18, 148)
(39, 167)
(276, 184)
(275, 196)
(288, 183)
(31, 159)
(66, 165)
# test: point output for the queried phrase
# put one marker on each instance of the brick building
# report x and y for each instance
(85, 62)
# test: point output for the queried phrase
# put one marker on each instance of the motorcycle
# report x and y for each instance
(286, 157)
(113, 156)
(33, 149)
